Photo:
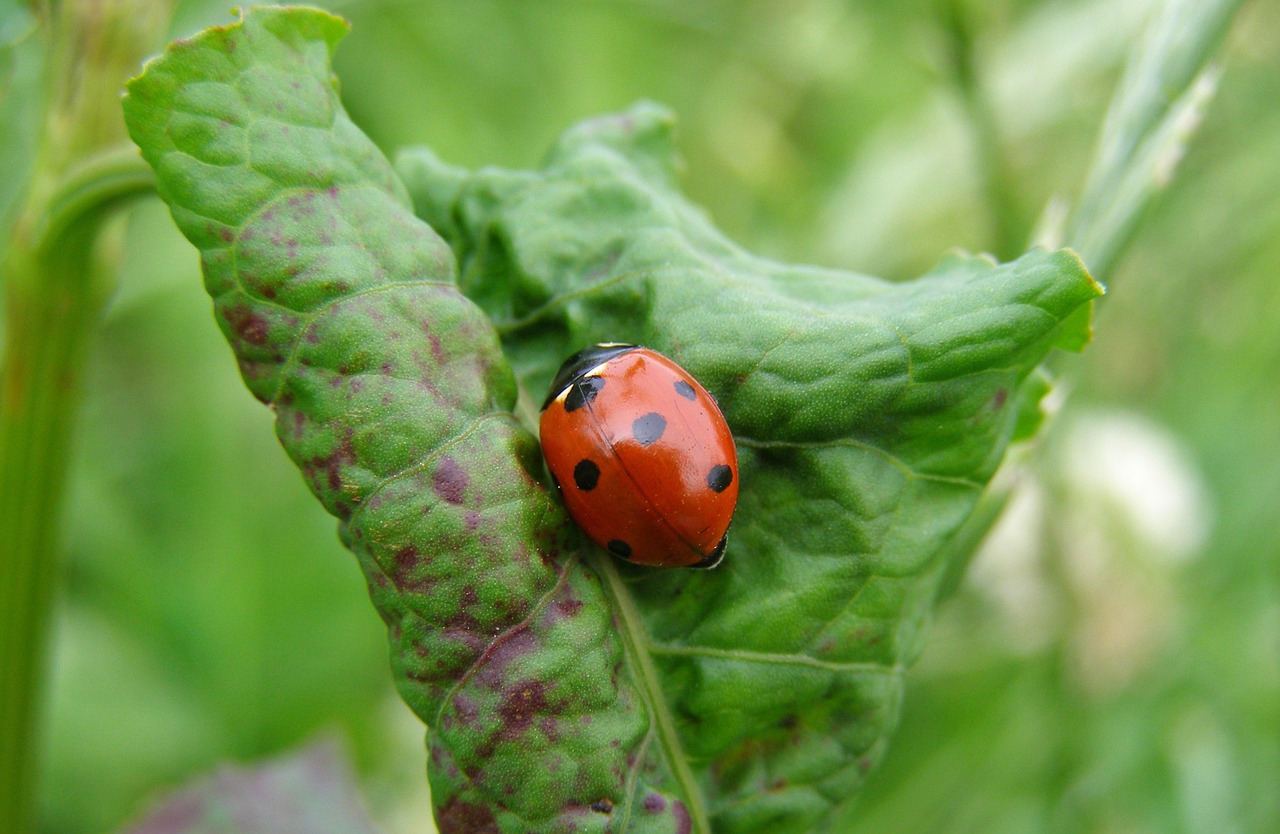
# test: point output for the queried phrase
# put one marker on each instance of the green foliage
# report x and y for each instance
(1078, 676)
(56, 269)
(870, 414)
(1161, 98)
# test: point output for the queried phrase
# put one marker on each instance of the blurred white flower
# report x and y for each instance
(1121, 462)
(1134, 509)
(1087, 550)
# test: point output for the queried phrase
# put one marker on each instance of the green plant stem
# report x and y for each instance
(47, 335)
(1167, 86)
(57, 273)
(1008, 232)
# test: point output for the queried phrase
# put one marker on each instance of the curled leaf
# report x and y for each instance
(869, 417)
(562, 690)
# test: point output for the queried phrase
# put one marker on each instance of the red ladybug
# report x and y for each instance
(642, 456)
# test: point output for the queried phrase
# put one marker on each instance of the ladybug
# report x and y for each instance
(642, 456)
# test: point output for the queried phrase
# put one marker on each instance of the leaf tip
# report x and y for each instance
(280, 21)
(1096, 287)
(1077, 328)
(272, 33)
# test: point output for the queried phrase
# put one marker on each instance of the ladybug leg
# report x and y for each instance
(714, 558)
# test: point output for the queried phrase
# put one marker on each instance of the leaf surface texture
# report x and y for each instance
(563, 690)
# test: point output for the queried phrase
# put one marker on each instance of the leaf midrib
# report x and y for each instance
(636, 645)
(775, 659)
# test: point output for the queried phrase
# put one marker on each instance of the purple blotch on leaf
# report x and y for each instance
(684, 823)
(568, 607)
(248, 325)
(463, 619)
(654, 803)
(331, 465)
(521, 703)
(458, 817)
(450, 480)
(406, 578)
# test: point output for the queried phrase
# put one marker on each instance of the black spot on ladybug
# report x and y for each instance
(602, 806)
(649, 428)
(586, 475)
(720, 477)
(582, 392)
(685, 390)
(619, 548)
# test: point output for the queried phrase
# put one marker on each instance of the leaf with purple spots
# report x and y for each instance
(394, 399)
(869, 418)
(563, 691)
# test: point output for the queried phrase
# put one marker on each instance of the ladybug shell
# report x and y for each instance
(642, 456)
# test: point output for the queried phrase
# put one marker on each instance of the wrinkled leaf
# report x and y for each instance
(868, 415)
(311, 791)
(563, 690)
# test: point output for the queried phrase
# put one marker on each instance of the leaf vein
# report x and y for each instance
(774, 658)
(502, 638)
(435, 452)
(637, 643)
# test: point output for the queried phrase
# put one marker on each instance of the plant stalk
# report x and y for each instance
(47, 336)
(57, 274)
(1007, 223)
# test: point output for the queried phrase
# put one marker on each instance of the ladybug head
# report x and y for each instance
(576, 366)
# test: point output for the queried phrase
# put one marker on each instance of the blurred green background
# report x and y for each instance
(1112, 661)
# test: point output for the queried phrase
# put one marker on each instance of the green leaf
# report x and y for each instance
(868, 415)
(1167, 86)
(311, 791)
(563, 690)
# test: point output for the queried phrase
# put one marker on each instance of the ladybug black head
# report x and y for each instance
(576, 366)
